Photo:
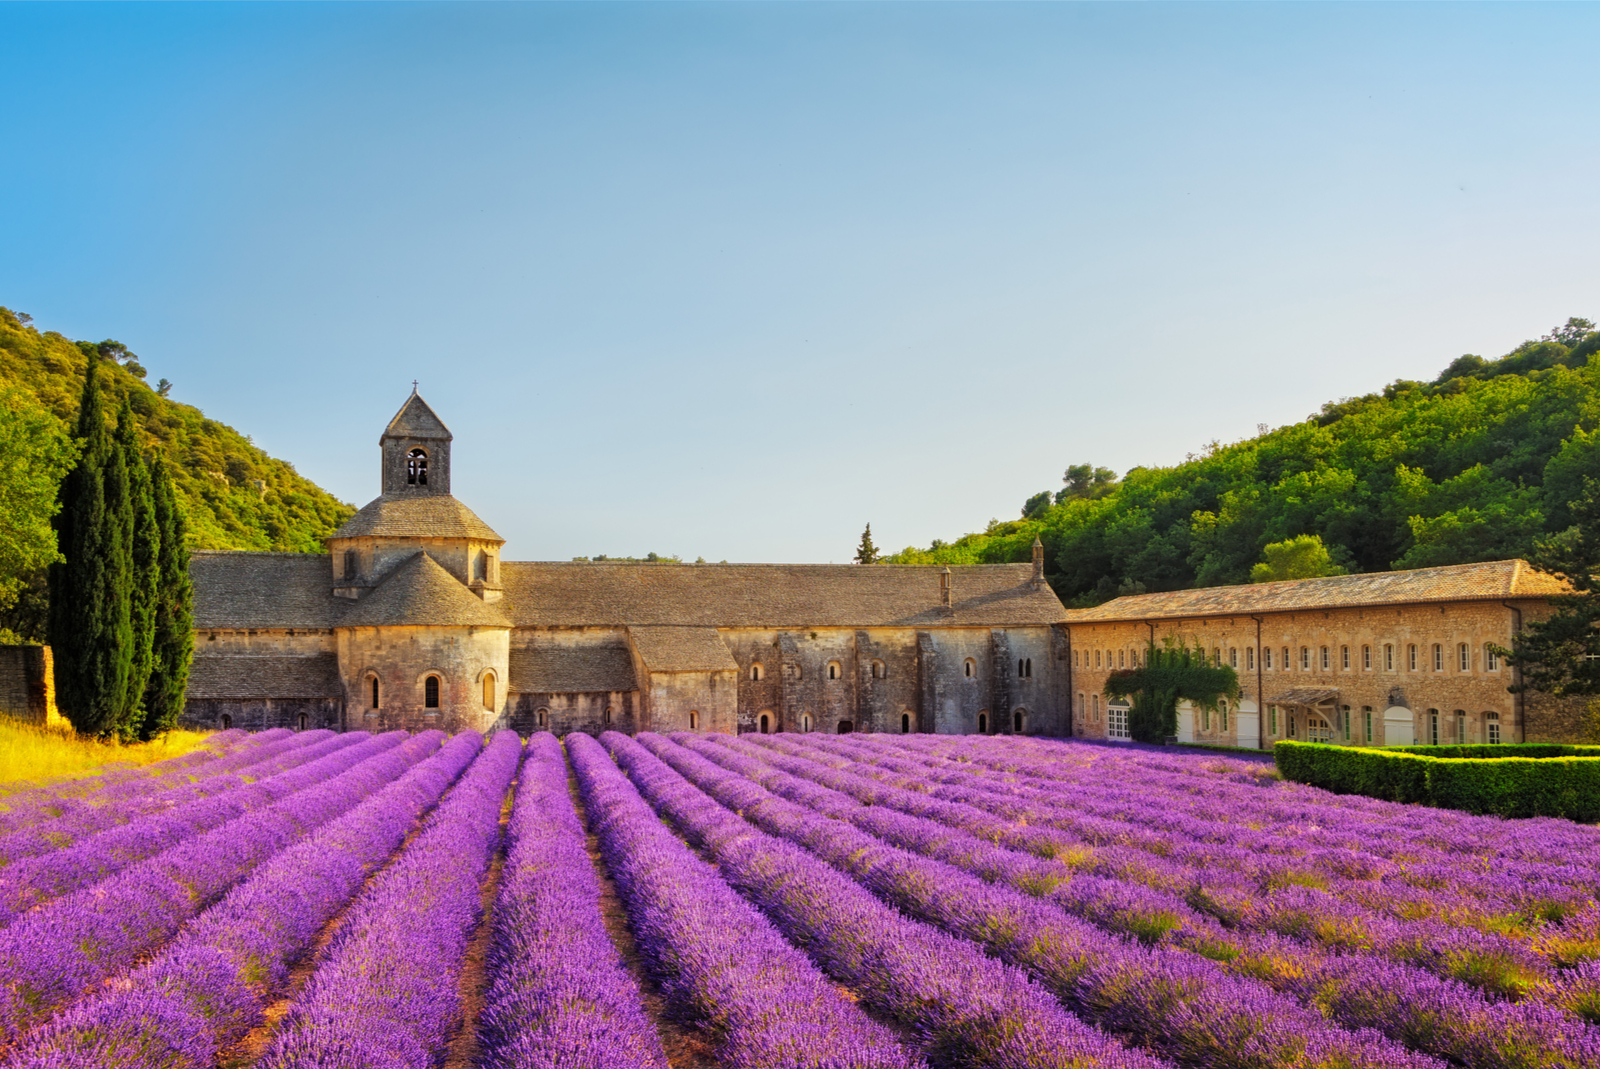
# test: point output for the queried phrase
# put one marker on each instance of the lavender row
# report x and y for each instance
(213, 982)
(41, 837)
(53, 954)
(1437, 1016)
(1420, 926)
(38, 879)
(970, 1009)
(559, 994)
(387, 991)
(1177, 1003)
(51, 800)
(714, 955)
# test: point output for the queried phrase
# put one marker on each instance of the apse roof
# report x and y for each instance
(416, 516)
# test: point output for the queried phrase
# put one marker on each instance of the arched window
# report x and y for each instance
(1438, 657)
(1463, 658)
(834, 670)
(755, 672)
(970, 668)
(605, 717)
(350, 564)
(983, 723)
(488, 690)
(374, 692)
(227, 721)
(805, 722)
(544, 719)
(430, 692)
(845, 727)
(417, 467)
(1491, 660)
(766, 724)
(302, 721)
(1388, 657)
(1344, 657)
(880, 670)
(694, 720)
(1016, 722)
(905, 723)
(1491, 724)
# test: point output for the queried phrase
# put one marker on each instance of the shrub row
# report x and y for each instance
(1519, 786)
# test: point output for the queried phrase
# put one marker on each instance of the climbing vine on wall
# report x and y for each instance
(1172, 673)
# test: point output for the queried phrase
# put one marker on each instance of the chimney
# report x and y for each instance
(944, 590)
(1038, 563)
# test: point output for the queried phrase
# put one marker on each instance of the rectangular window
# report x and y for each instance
(1366, 657)
(1205, 719)
(1117, 726)
(1388, 658)
(1433, 727)
(1344, 657)
(1249, 658)
(1305, 658)
(1464, 657)
(1346, 712)
(1216, 656)
(1122, 658)
(1097, 658)
(1324, 658)
(1366, 715)
(1411, 657)
(1438, 657)
(1224, 716)
(1233, 656)
(1461, 728)
(1074, 658)
(1494, 730)
(1291, 726)
(1491, 660)
(1266, 657)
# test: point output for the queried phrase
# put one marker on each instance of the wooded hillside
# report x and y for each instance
(235, 495)
(1472, 466)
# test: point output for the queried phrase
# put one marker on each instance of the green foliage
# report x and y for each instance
(233, 495)
(144, 565)
(172, 630)
(1528, 784)
(1476, 465)
(35, 453)
(1560, 656)
(1301, 557)
(866, 552)
(90, 628)
(1171, 673)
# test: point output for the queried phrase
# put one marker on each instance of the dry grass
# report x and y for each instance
(30, 756)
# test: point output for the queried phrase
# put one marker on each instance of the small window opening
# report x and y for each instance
(302, 721)
(970, 668)
(983, 723)
(905, 723)
(544, 718)
(350, 564)
(694, 720)
(845, 727)
(417, 467)
(605, 718)
(227, 721)
(755, 672)
(488, 691)
(879, 670)
(805, 722)
(833, 669)
(766, 725)
(430, 692)
(374, 692)
(1016, 722)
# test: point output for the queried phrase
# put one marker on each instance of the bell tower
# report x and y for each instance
(416, 451)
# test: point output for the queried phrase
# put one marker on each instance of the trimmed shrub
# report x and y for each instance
(1565, 782)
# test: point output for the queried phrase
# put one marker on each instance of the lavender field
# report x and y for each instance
(319, 900)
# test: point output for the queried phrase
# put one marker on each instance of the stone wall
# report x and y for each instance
(1368, 653)
(27, 684)
(563, 713)
(264, 714)
(402, 658)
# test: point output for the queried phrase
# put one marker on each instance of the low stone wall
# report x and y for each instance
(296, 714)
(27, 685)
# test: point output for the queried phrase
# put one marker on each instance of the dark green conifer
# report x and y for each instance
(172, 647)
(90, 630)
(144, 550)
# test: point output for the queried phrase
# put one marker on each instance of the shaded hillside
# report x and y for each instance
(1472, 466)
(237, 496)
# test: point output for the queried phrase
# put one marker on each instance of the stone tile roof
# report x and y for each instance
(416, 516)
(416, 419)
(682, 649)
(420, 592)
(540, 594)
(247, 678)
(275, 591)
(570, 670)
(1489, 581)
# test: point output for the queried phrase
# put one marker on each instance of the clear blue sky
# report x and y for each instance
(733, 280)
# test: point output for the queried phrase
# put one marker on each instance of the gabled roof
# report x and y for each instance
(241, 590)
(416, 516)
(772, 595)
(1489, 581)
(682, 649)
(570, 670)
(416, 420)
(246, 678)
(419, 592)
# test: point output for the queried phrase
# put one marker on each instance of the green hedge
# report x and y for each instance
(1514, 749)
(1556, 785)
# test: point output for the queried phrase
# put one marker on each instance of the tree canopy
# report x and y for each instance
(1300, 557)
(1475, 465)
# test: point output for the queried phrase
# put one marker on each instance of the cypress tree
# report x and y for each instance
(90, 631)
(144, 567)
(172, 646)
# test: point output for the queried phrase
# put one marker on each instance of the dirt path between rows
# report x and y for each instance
(474, 982)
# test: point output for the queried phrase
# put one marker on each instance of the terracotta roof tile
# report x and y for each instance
(416, 516)
(246, 678)
(570, 670)
(682, 649)
(1492, 580)
(420, 592)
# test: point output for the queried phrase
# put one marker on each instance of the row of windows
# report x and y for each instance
(1454, 729)
(835, 670)
(543, 718)
(1323, 658)
(430, 691)
(1116, 715)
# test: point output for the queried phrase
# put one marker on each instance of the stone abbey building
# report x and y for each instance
(411, 619)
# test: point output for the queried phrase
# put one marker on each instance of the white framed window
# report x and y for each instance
(1233, 656)
(1286, 658)
(1438, 657)
(1366, 657)
(1318, 730)
(1344, 657)
(1388, 657)
(1117, 722)
(1411, 657)
(1266, 657)
(1305, 658)
(1463, 658)
(1491, 722)
(1324, 658)
(1491, 660)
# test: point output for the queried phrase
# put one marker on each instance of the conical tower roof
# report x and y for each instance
(421, 593)
(416, 419)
